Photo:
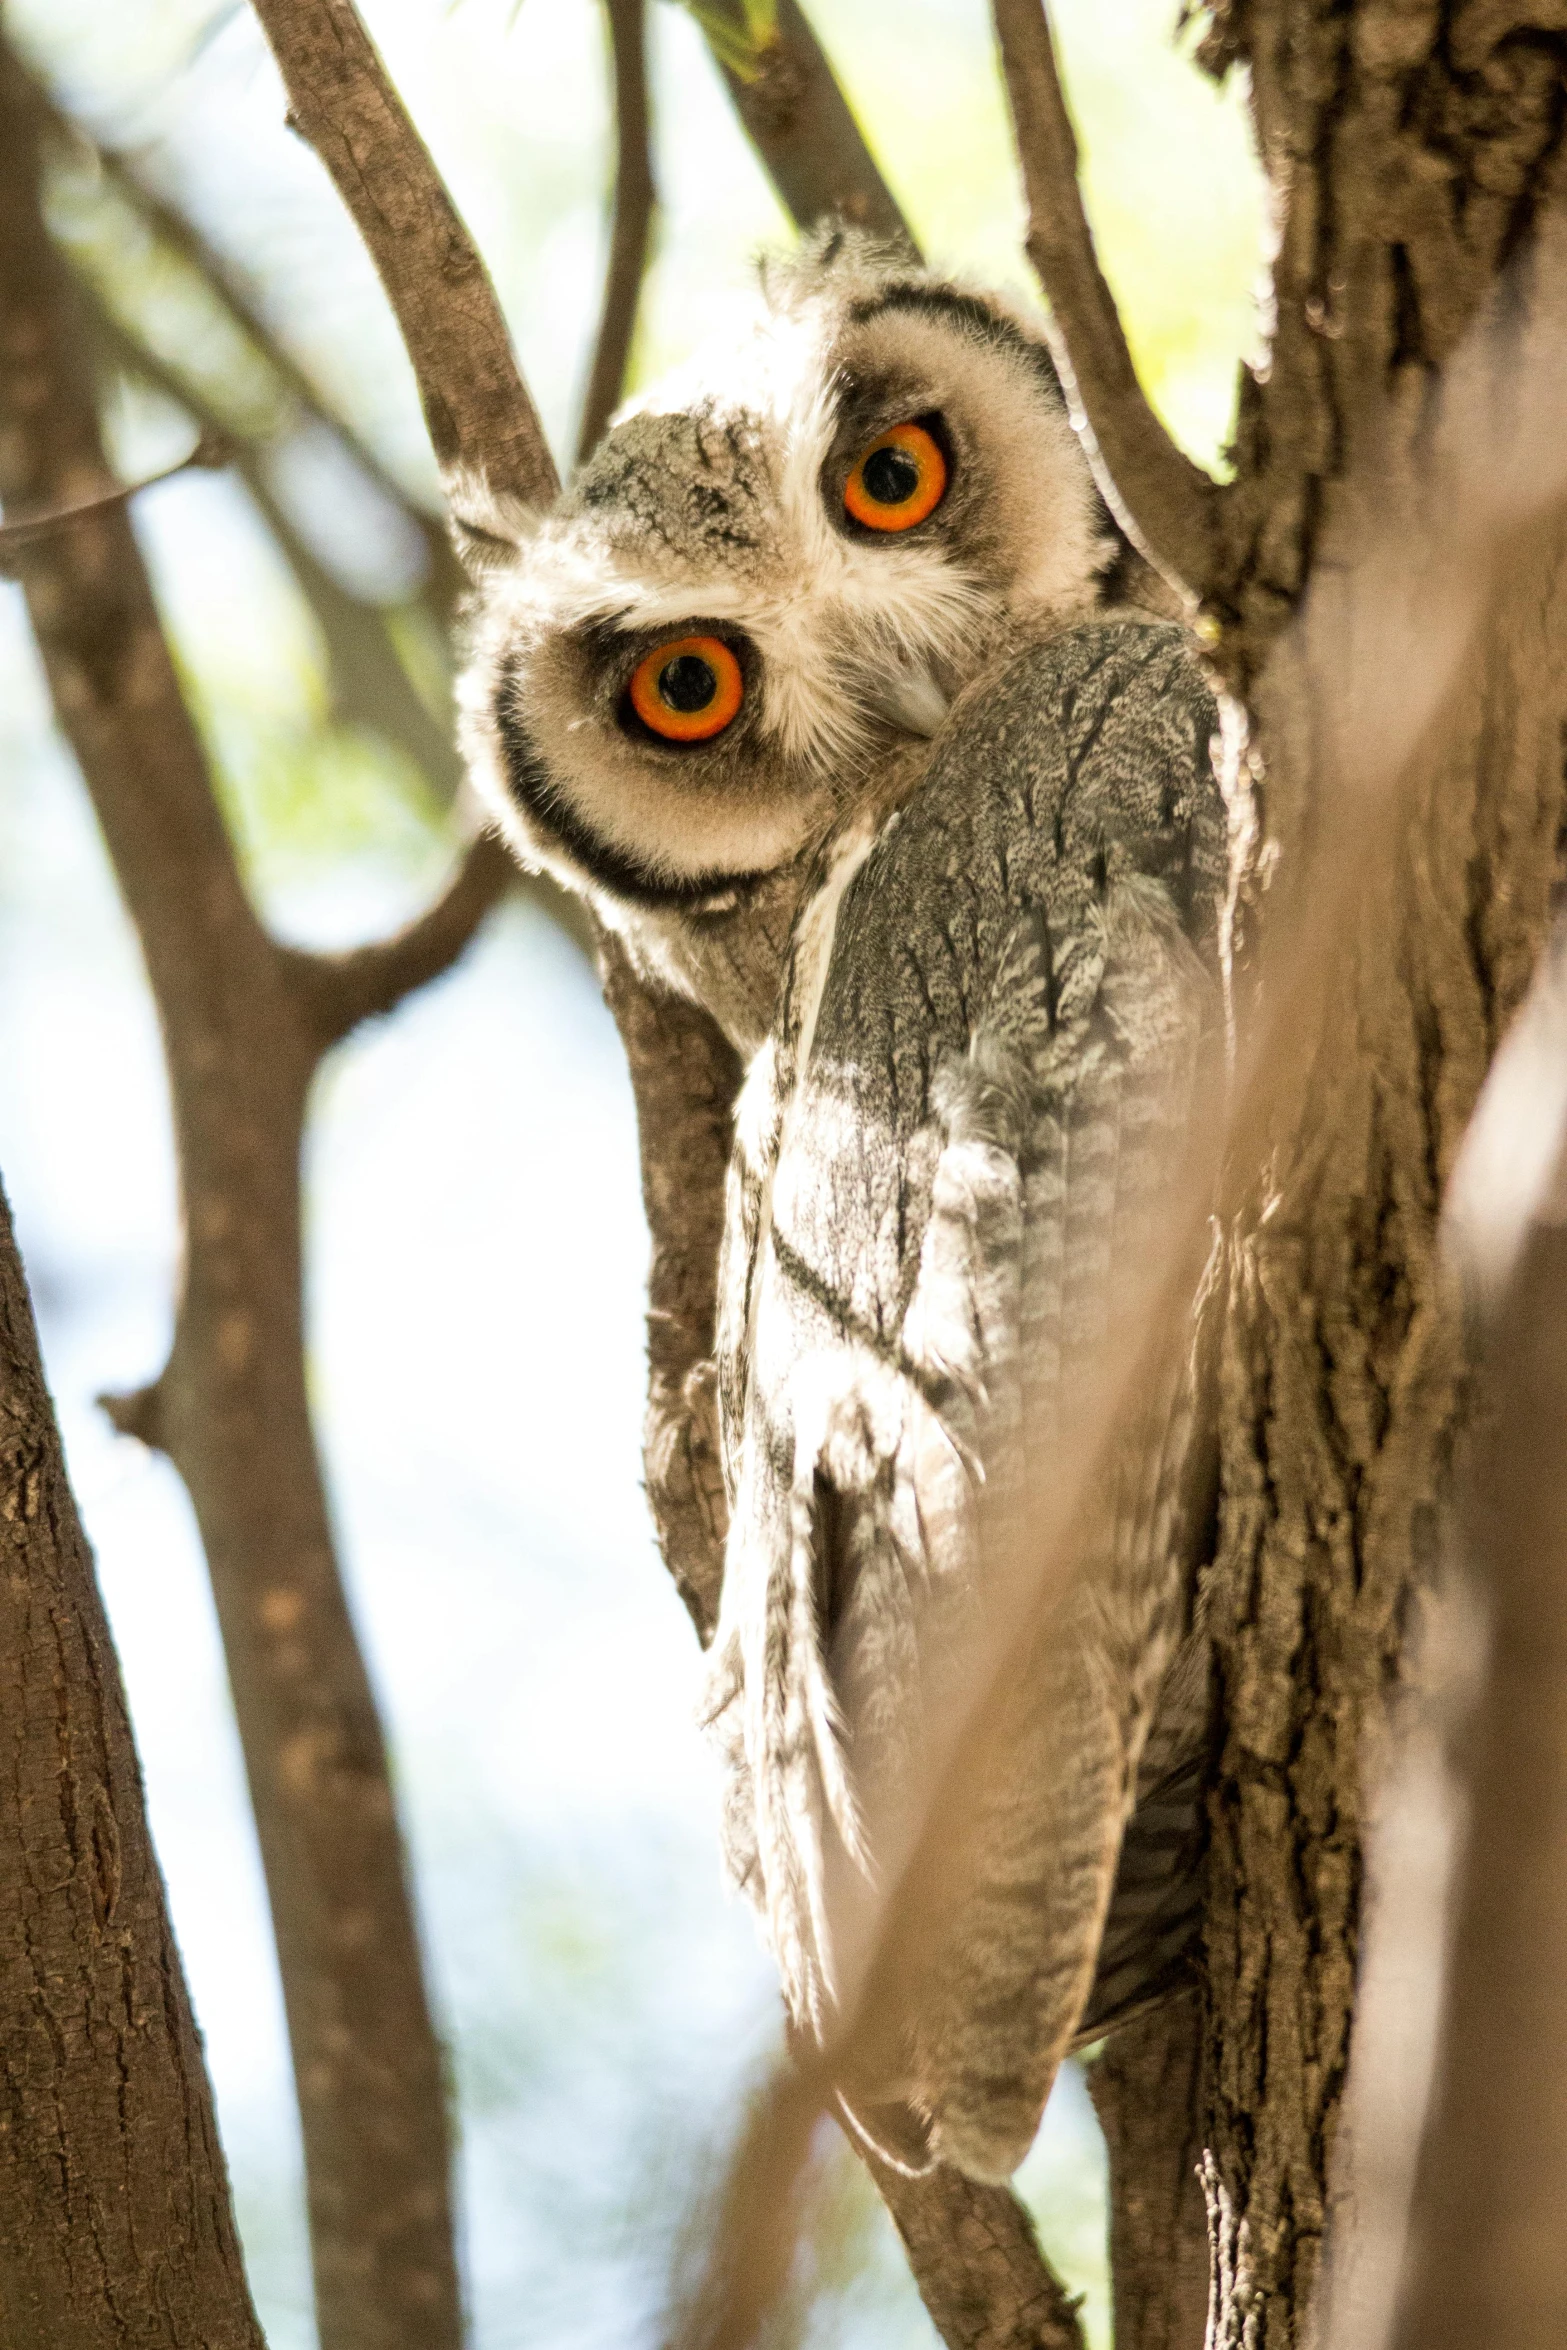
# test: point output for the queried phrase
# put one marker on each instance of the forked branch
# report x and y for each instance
(1167, 505)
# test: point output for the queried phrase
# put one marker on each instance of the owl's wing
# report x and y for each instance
(917, 1346)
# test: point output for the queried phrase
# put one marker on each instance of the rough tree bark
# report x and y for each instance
(245, 1024)
(1411, 152)
(115, 2224)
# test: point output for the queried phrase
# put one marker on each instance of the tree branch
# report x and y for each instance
(635, 199)
(226, 285)
(231, 1406)
(688, 1077)
(482, 423)
(342, 990)
(799, 121)
(110, 2166)
(368, 683)
(1165, 503)
(1484, 2258)
(978, 2265)
(1147, 2089)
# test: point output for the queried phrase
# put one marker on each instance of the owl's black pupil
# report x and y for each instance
(890, 476)
(687, 684)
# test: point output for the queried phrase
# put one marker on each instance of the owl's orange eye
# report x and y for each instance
(898, 480)
(688, 690)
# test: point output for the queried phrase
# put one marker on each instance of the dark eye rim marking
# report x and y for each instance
(969, 310)
(613, 868)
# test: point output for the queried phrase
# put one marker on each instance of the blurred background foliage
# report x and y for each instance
(476, 1250)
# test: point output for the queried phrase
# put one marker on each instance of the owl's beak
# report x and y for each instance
(909, 698)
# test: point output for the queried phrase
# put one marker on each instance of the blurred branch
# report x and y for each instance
(368, 684)
(1485, 2259)
(110, 2166)
(227, 285)
(483, 425)
(1165, 503)
(230, 1406)
(341, 990)
(210, 452)
(635, 198)
(751, 2237)
(1147, 2089)
(798, 119)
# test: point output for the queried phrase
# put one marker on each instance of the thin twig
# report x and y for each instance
(228, 286)
(1165, 503)
(630, 235)
(210, 452)
(368, 683)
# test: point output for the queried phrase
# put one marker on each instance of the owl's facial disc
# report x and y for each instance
(637, 764)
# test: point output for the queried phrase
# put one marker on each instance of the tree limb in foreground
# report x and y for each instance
(1164, 501)
(113, 2195)
(1485, 2255)
(242, 1041)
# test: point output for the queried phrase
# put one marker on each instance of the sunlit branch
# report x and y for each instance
(976, 2259)
(1165, 502)
(798, 119)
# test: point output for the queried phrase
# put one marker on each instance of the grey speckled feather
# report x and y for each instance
(955, 1143)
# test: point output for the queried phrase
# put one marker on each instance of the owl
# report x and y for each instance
(832, 686)
(750, 613)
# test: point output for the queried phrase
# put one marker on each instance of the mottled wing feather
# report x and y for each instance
(936, 1201)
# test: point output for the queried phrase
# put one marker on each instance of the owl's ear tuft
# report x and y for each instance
(487, 526)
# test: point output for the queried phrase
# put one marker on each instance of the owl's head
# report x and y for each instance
(760, 595)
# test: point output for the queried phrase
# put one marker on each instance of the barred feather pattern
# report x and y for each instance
(951, 1161)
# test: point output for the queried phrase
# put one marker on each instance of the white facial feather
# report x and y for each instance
(716, 501)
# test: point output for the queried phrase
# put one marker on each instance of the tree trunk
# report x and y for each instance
(115, 2225)
(1383, 584)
